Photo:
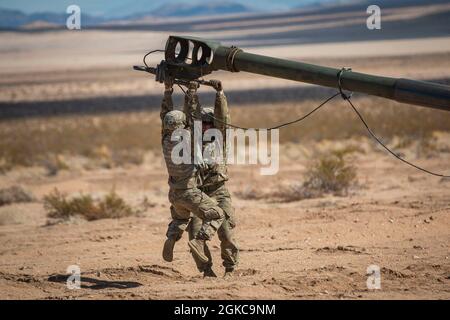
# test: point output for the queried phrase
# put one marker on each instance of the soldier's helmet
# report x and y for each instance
(207, 114)
(173, 120)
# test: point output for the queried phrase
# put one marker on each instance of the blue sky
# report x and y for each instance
(111, 8)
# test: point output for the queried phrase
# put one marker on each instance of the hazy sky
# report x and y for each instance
(124, 7)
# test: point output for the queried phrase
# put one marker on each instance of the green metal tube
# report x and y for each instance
(402, 90)
(214, 56)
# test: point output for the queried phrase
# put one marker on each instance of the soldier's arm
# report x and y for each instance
(167, 102)
(221, 114)
(191, 107)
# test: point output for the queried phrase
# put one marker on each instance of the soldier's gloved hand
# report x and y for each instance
(193, 86)
(168, 81)
(216, 84)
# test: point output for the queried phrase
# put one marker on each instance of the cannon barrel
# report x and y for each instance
(191, 58)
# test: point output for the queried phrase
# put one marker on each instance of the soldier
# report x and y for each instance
(184, 195)
(214, 175)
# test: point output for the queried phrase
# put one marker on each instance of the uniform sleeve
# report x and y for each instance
(167, 103)
(191, 107)
(221, 114)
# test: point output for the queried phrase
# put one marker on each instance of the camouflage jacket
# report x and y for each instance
(215, 173)
(181, 176)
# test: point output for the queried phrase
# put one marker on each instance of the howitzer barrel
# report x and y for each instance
(207, 56)
(402, 90)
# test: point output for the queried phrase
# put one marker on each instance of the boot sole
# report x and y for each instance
(168, 250)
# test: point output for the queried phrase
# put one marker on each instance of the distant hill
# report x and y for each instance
(176, 10)
(216, 8)
(14, 19)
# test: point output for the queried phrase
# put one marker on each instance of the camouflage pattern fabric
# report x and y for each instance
(229, 249)
(184, 195)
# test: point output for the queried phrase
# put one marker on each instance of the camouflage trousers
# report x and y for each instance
(187, 201)
(228, 244)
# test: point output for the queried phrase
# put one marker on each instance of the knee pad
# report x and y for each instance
(214, 213)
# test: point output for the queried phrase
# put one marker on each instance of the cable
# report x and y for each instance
(150, 52)
(282, 124)
(339, 76)
(348, 99)
(389, 150)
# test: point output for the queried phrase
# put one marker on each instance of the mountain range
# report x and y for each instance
(14, 19)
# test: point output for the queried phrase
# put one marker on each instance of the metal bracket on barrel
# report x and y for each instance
(230, 58)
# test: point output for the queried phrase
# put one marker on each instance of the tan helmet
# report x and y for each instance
(207, 114)
(174, 119)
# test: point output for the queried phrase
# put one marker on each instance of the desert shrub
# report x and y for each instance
(54, 164)
(59, 206)
(330, 173)
(14, 194)
(295, 192)
(250, 193)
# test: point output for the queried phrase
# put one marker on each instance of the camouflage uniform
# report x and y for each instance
(184, 195)
(213, 177)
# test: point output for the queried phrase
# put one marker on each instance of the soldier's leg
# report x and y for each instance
(194, 227)
(229, 250)
(204, 208)
(228, 245)
(179, 223)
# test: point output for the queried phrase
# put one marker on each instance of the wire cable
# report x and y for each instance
(282, 124)
(389, 150)
(149, 53)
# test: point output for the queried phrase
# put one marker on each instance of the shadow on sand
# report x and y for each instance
(96, 284)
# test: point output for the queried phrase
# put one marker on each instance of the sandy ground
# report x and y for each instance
(320, 248)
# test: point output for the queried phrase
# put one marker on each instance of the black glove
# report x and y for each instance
(162, 75)
(216, 84)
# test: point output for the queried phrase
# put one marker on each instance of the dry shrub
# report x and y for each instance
(295, 192)
(330, 173)
(250, 193)
(59, 206)
(54, 164)
(14, 194)
(425, 145)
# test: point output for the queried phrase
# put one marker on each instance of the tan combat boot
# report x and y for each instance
(168, 249)
(198, 248)
(228, 273)
(209, 273)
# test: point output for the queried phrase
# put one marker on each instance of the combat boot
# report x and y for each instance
(228, 273)
(168, 249)
(198, 249)
(209, 273)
